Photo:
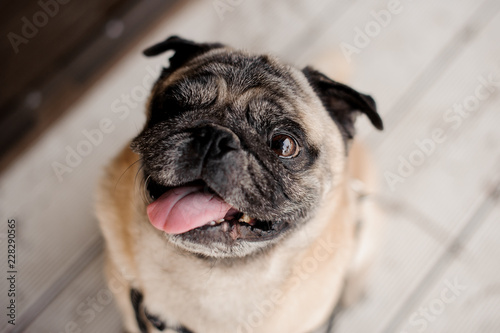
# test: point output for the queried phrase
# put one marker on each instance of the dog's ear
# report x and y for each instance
(342, 102)
(184, 49)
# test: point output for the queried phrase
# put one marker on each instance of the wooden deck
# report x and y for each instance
(439, 270)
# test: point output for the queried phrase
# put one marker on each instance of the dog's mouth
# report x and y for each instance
(195, 212)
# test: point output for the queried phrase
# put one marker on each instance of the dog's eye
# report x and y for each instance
(284, 146)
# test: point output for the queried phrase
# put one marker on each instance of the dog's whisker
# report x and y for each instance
(123, 173)
(144, 185)
(137, 173)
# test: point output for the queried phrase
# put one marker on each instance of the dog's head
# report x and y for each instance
(238, 149)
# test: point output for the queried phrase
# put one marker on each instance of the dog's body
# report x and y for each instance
(285, 279)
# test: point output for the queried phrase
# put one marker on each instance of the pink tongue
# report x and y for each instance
(186, 208)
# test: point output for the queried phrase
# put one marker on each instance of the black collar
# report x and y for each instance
(141, 314)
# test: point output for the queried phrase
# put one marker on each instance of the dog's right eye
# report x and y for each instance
(284, 146)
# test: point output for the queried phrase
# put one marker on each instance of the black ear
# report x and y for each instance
(342, 102)
(185, 50)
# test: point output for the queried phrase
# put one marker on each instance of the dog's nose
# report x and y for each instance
(215, 141)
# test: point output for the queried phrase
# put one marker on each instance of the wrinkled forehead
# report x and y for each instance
(244, 80)
(235, 73)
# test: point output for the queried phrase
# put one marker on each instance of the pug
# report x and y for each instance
(242, 205)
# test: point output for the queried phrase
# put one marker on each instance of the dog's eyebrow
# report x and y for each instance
(249, 94)
(199, 90)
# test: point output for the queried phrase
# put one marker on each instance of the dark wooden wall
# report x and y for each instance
(52, 50)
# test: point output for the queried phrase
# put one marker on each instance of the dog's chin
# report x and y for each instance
(214, 249)
(237, 235)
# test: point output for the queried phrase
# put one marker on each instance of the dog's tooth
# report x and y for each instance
(225, 226)
(245, 218)
(212, 222)
(220, 221)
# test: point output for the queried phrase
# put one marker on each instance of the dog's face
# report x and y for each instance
(240, 150)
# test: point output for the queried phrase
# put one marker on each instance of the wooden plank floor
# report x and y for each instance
(438, 271)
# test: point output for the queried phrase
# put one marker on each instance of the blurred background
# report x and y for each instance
(72, 93)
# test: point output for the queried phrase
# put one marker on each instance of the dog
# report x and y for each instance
(244, 203)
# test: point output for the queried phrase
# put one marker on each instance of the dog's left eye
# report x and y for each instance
(284, 146)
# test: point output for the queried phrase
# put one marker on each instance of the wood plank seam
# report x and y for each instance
(84, 258)
(453, 249)
(299, 46)
(424, 222)
(476, 23)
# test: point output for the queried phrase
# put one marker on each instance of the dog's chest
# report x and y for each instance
(216, 298)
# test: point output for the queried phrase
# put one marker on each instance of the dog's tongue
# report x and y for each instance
(185, 208)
